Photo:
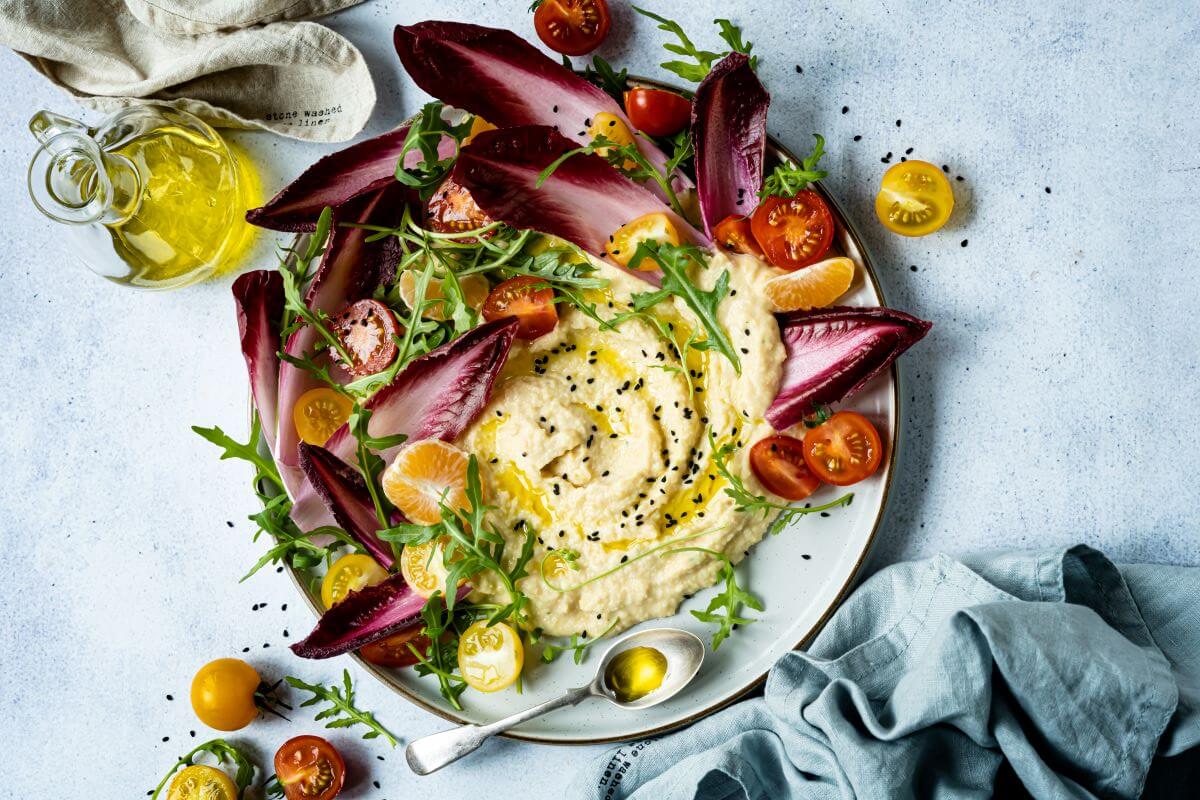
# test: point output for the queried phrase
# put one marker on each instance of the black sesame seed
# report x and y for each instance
(858, 138)
(845, 109)
(964, 243)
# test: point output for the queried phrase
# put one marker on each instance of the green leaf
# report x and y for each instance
(602, 73)
(225, 753)
(724, 610)
(342, 712)
(577, 646)
(425, 135)
(786, 180)
(248, 452)
(698, 62)
(674, 261)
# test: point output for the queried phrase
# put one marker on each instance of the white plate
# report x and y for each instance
(800, 575)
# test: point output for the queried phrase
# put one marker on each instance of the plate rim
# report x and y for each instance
(776, 150)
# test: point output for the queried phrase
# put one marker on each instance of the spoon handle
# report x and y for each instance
(431, 753)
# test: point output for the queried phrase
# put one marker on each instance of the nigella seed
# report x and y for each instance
(858, 138)
(845, 109)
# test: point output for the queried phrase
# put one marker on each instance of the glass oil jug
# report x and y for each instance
(154, 197)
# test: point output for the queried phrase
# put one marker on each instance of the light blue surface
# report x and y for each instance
(935, 673)
(1055, 400)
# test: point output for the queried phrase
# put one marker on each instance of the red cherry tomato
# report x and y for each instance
(453, 210)
(844, 449)
(572, 27)
(533, 307)
(733, 233)
(657, 112)
(392, 651)
(309, 768)
(778, 463)
(793, 232)
(368, 330)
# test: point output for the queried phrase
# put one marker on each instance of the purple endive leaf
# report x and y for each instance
(345, 494)
(729, 134)
(339, 178)
(437, 396)
(259, 299)
(363, 617)
(332, 181)
(833, 352)
(504, 79)
(583, 201)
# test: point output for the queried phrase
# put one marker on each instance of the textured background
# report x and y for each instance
(1054, 402)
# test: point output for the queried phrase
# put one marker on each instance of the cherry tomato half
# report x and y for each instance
(733, 234)
(452, 209)
(202, 782)
(223, 694)
(657, 112)
(533, 307)
(350, 573)
(392, 651)
(793, 231)
(778, 463)
(368, 330)
(319, 413)
(309, 768)
(572, 27)
(915, 199)
(844, 449)
(490, 657)
(653, 227)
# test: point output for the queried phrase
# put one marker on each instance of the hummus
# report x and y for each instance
(598, 442)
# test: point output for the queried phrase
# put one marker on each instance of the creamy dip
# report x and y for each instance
(598, 442)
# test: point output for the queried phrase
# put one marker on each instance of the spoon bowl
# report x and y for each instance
(684, 653)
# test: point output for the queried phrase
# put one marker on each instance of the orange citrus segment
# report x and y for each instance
(475, 290)
(318, 413)
(811, 287)
(425, 474)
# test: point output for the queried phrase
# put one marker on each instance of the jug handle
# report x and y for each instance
(45, 125)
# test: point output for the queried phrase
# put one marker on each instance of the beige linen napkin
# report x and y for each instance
(235, 63)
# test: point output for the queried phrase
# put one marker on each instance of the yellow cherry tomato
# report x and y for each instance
(915, 199)
(653, 227)
(202, 782)
(611, 127)
(349, 574)
(424, 568)
(319, 412)
(490, 658)
(223, 694)
(478, 126)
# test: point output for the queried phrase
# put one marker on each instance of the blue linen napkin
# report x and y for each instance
(1058, 671)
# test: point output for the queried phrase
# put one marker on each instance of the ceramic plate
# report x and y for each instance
(800, 575)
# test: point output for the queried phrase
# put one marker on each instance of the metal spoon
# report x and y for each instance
(684, 653)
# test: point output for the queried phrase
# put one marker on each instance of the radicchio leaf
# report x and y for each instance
(363, 617)
(437, 396)
(729, 134)
(332, 181)
(345, 494)
(259, 299)
(504, 79)
(833, 352)
(583, 201)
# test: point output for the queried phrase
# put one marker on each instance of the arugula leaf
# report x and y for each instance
(674, 261)
(264, 467)
(701, 61)
(787, 179)
(725, 608)
(748, 502)
(577, 646)
(224, 753)
(601, 73)
(441, 655)
(472, 546)
(342, 713)
(424, 135)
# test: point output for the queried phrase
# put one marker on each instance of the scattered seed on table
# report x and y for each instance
(1047, 190)
(229, 523)
(805, 556)
(945, 168)
(897, 123)
(170, 697)
(908, 152)
(245, 649)
(913, 267)
(964, 243)
(166, 738)
(958, 177)
(845, 109)
(858, 138)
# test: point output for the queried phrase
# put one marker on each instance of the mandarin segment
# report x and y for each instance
(425, 475)
(812, 287)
